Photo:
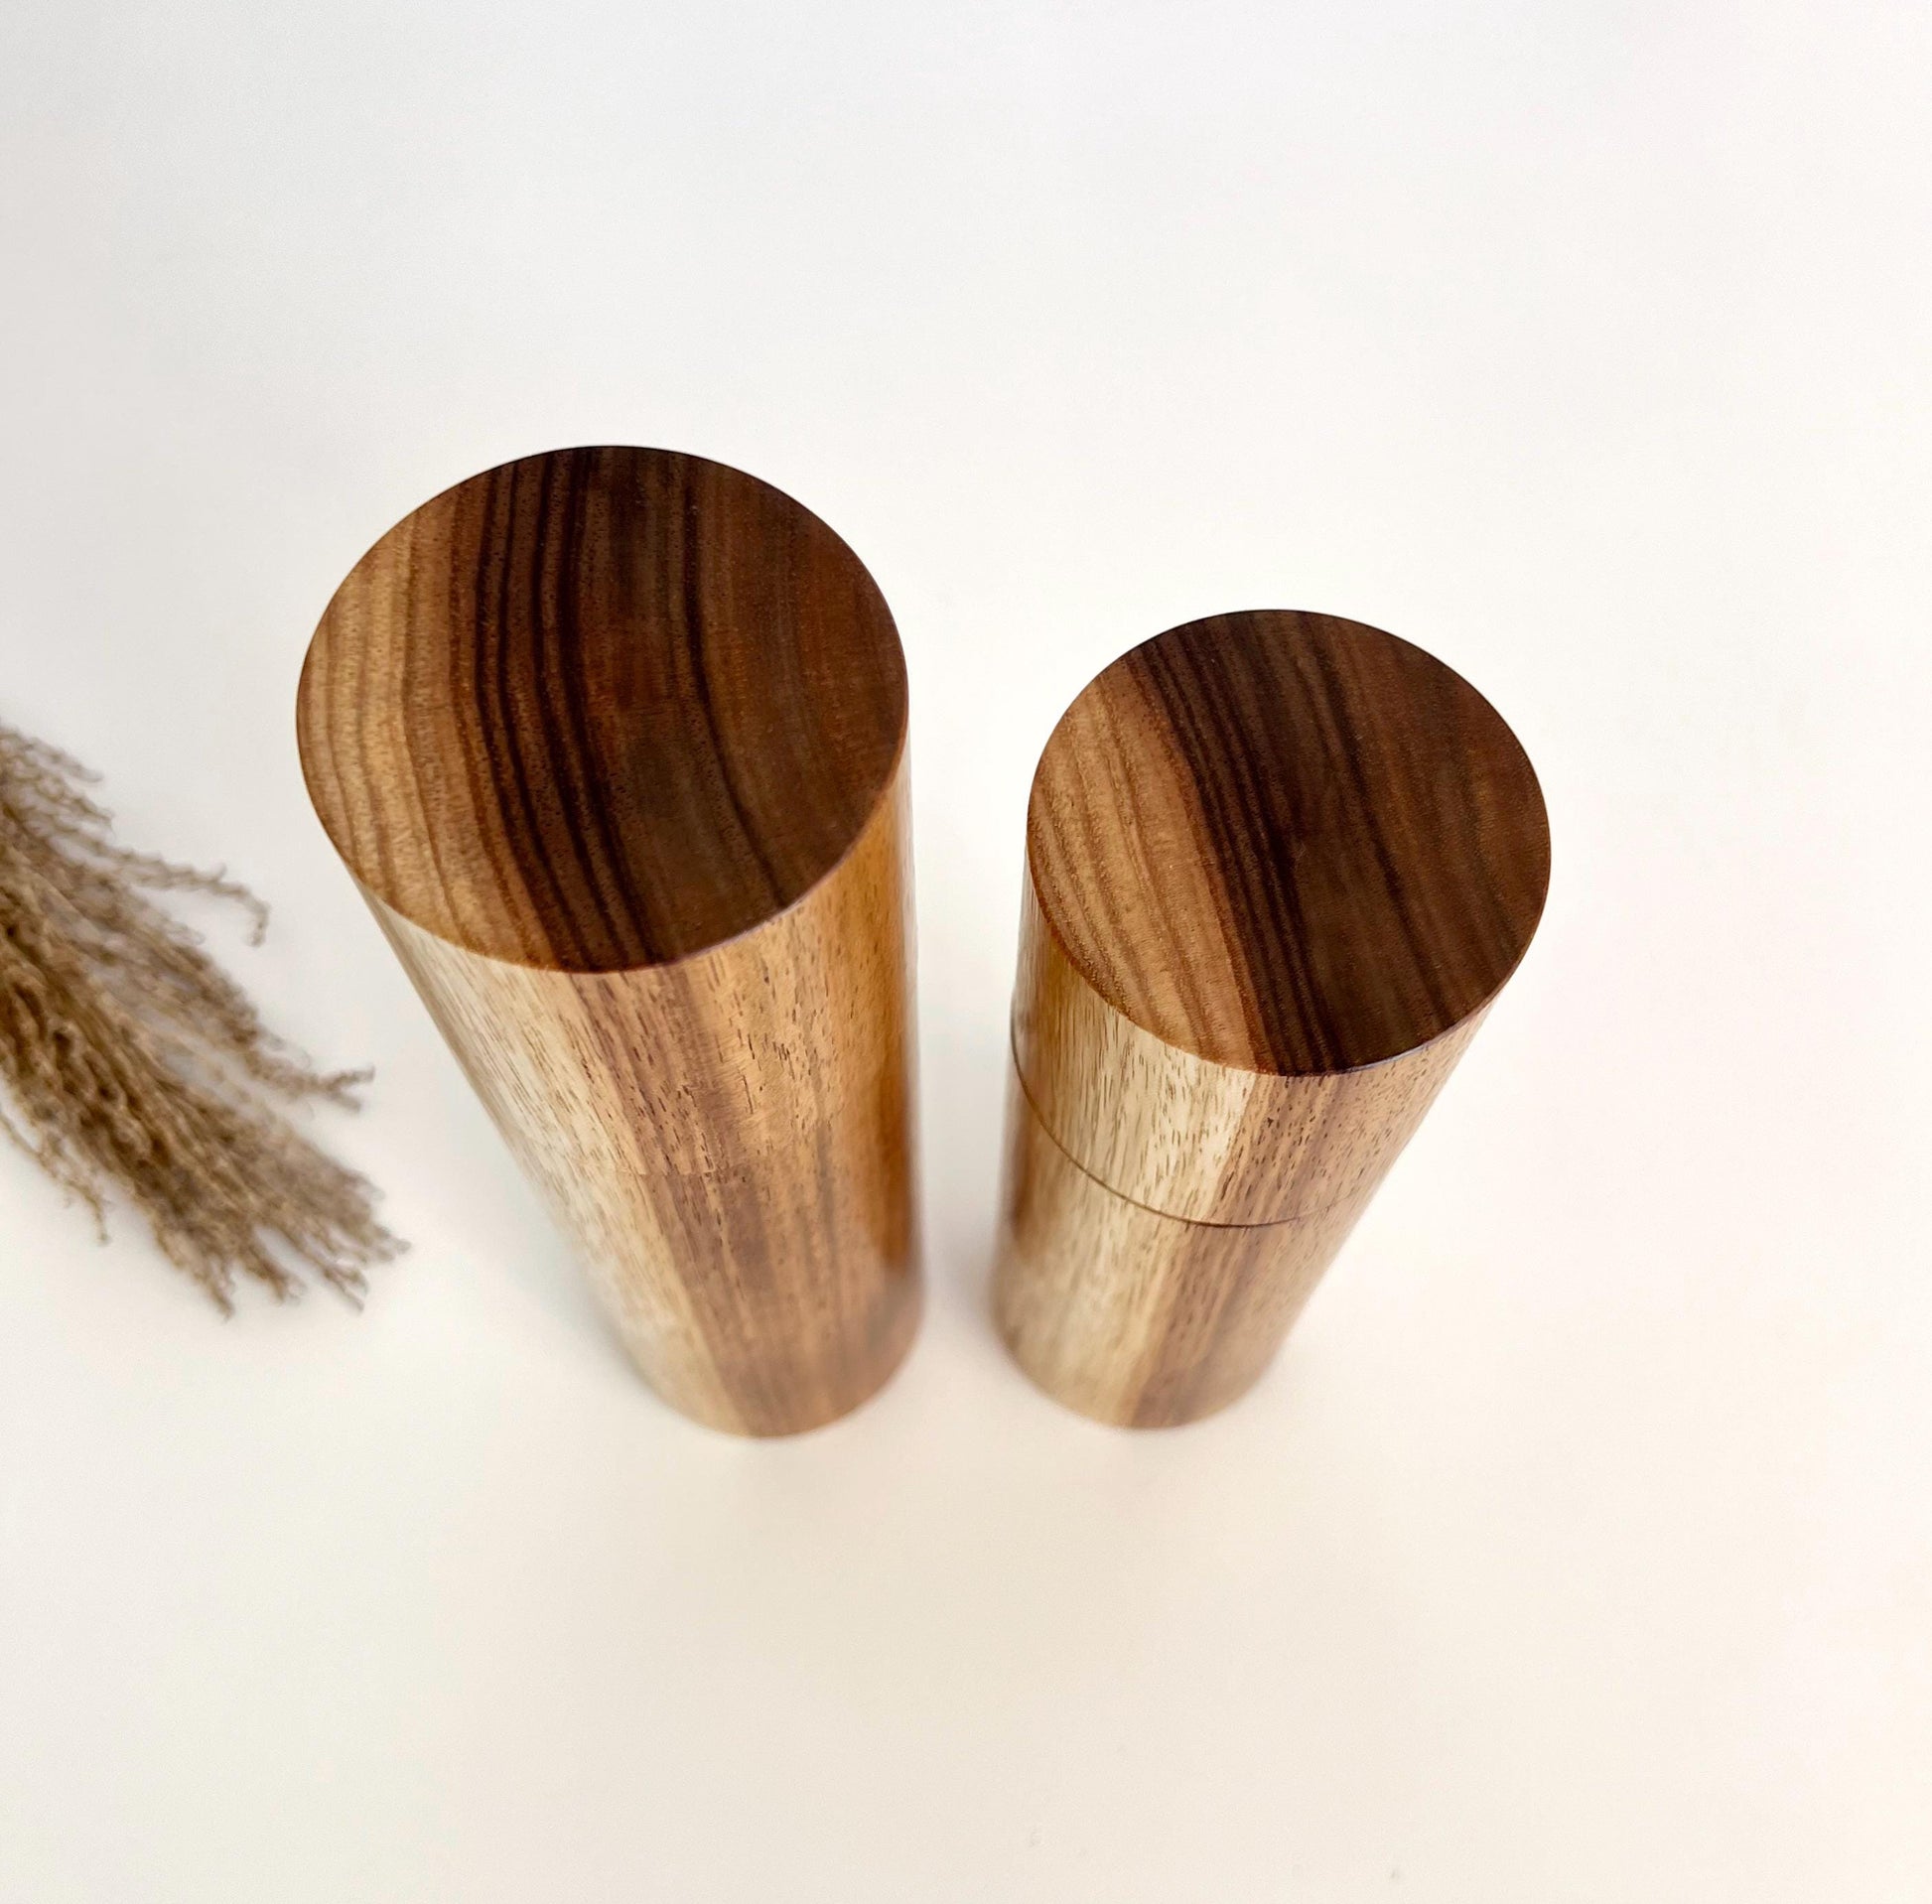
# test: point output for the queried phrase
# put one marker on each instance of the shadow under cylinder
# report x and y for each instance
(613, 743)
(1278, 866)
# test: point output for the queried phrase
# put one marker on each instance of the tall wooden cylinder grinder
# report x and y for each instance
(1278, 867)
(613, 743)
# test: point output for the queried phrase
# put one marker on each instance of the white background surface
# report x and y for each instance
(1581, 1545)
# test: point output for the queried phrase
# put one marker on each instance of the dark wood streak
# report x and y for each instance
(538, 759)
(1363, 795)
(1239, 803)
(694, 643)
(621, 909)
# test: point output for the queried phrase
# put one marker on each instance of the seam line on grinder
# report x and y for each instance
(1193, 1222)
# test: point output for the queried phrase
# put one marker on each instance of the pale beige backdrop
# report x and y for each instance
(1580, 1546)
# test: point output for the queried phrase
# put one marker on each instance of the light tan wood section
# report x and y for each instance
(1133, 1318)
(614, 743)
(1278, 868)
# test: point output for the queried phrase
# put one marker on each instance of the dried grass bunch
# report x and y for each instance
(133, 1062)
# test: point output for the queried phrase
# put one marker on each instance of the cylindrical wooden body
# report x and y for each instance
(614, 743)
(1278, 866)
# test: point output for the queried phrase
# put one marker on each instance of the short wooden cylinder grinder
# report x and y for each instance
(1278, 867)
(614, 742)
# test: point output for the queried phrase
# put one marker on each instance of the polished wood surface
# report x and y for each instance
(1278, 868)
(1288, 843)
(613, 743)
(601, 708)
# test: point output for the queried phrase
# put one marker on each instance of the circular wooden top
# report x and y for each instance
(600, 709)
(1287, 842)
